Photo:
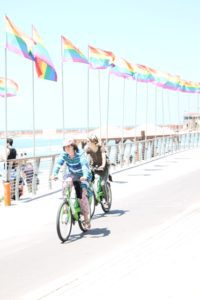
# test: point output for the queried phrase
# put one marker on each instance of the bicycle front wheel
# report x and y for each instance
(92, 202)
(64, 222)
(106, 202)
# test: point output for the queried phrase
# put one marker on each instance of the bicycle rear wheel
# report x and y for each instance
(64, 222)
(106, 202)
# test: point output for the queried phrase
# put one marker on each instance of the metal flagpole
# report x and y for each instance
(88, 98)
(7, 187)
(6, 118)
(123, 110)
(156, 98)
(33, 107)
(147, 98)
(108, 104)
(62, 90)
(136, 98)
(99, 104)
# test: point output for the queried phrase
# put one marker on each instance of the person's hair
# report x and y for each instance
(93, 139)
(10, 141)
(74, 146)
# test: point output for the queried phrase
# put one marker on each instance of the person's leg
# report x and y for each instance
(84, 203)
(104, 178)
(66, 182)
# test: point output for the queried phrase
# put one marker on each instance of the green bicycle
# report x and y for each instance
(105, 201)
(69, 212)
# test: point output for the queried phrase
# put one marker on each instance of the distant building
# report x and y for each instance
(192, 121)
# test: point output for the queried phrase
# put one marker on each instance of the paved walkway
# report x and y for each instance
(160, 264)
(163, 264)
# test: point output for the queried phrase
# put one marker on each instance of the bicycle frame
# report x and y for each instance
(98, 190)
(74, 205)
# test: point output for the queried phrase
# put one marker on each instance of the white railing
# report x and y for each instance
(31, 176)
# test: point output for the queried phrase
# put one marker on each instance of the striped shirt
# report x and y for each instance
(77, 166)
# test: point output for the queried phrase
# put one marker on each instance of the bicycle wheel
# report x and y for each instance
(81, 221)
(106, 202)
(64, 222)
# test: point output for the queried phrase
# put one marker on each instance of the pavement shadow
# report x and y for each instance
(118, 181)
(115, 212)
(93, 232)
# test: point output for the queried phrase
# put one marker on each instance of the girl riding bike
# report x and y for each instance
(78, 174)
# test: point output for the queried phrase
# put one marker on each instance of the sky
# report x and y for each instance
(162, 35)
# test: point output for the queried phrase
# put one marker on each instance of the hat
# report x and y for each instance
(68, 142)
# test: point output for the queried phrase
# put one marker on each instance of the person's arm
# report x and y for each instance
(4, 154)
(103, 154)
(59, 164)
(85, 165)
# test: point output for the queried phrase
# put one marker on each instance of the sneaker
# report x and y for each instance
(88, 225)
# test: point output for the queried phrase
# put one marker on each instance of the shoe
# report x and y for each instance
(87, 224)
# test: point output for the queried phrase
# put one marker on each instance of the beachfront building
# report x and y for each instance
(192, 121)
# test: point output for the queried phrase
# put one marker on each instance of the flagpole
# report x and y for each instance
(33, 107)
(62, 91)
(88, 97)
(156, 98)
(99, 103)
(108, 100)
(147, 100)
(123, 109)
(136, 98)
(6, 117)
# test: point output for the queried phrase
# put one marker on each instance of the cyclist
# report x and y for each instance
(98, 160)
(78, 174)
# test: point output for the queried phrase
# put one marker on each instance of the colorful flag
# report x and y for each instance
(166, 80)
(189, 86)
(43, 63)
(17, 41)
(71, 52)
(143, 73)
(122, 68)
(9, 86)
(100, 59)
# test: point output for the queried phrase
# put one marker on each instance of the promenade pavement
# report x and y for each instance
(160, 264)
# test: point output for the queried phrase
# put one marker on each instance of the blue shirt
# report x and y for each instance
(77, 166)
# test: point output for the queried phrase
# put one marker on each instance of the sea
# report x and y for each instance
(43, 145)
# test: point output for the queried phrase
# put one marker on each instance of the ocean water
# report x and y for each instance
(43, 145)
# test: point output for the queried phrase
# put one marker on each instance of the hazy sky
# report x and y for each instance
(163, 35)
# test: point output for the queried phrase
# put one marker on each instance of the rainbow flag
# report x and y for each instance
(166, 80)
(8, 87)
(143, 73)
(71, 52)
(122, 68)
(189, 86)
(100, 59)
(17, 41)
(43, 63)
